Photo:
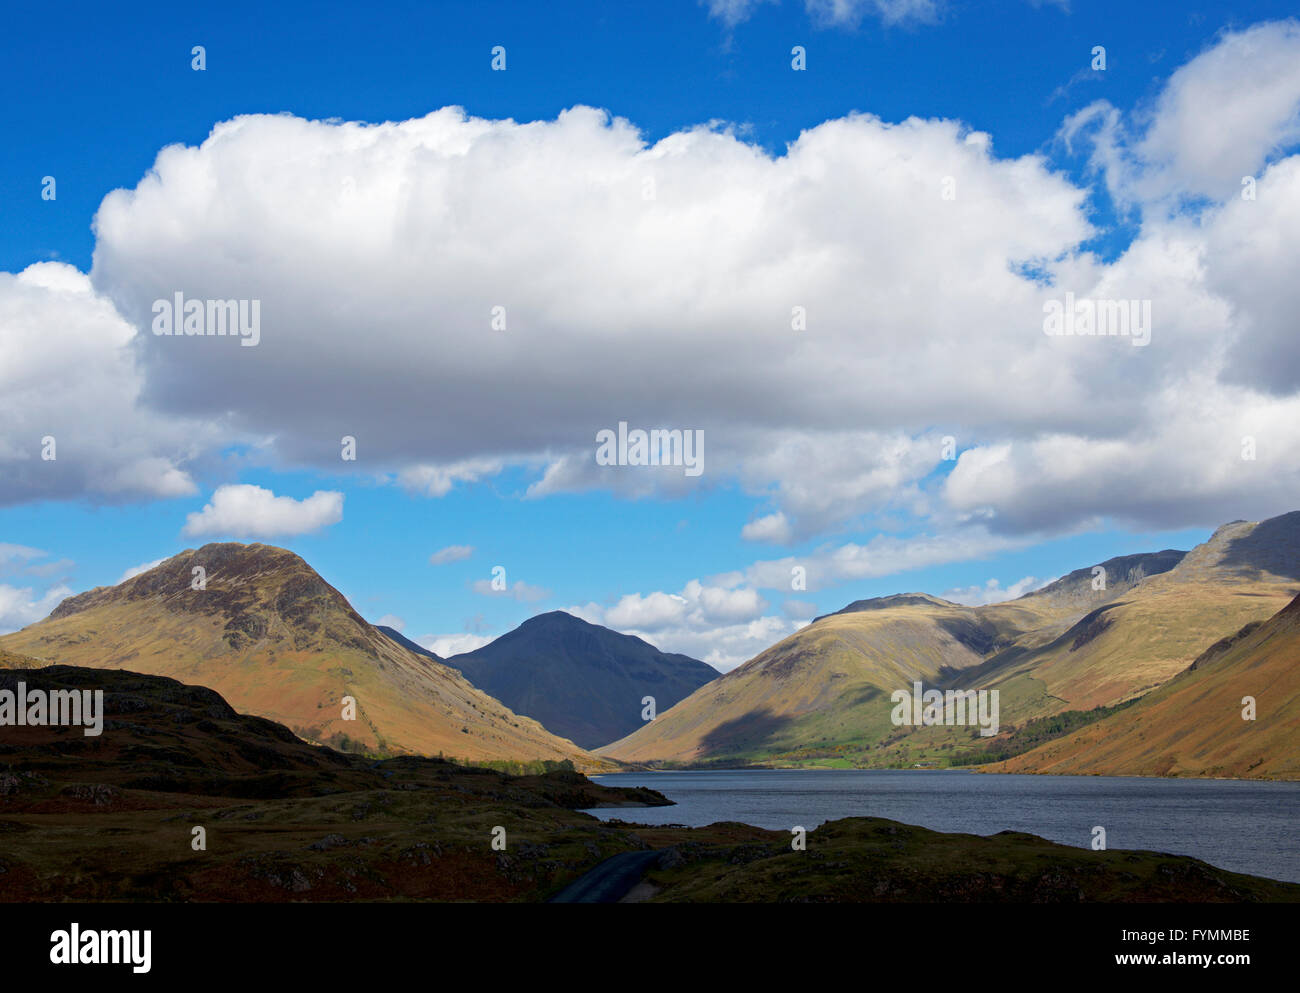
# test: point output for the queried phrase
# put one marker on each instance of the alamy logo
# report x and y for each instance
(61, 708)
(654, 447)
(178, 316)
(1098, 318)
(927, 707)
(77, 947)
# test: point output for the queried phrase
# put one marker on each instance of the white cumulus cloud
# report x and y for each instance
(247, 511)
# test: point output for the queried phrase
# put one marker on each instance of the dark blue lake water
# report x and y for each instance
(1244, 826)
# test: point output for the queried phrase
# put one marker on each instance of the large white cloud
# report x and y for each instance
(384, 249)
(657, 284)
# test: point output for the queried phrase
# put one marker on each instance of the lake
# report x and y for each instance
(1244, 826)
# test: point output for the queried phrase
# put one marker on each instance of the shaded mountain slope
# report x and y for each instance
(580, 680)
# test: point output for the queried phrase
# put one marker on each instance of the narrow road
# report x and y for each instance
(610, 881)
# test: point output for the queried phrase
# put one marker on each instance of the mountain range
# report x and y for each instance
(1096, 638)
(1129, 666)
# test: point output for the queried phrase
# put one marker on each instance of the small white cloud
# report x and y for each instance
(447, 645)
(246, 511)
(452, 553)
(437, 480)
(883, 555)
(849, 13)
(1224, 113)
(136, 570)
(993, 592)
(521, 591)
(47, 569)
(20, 607)
(773, 529)
(21, 560)
(799, 610)
(391, 621)
(732, 12)
(10, 552)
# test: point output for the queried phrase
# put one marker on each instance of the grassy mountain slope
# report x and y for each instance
(1193, 724)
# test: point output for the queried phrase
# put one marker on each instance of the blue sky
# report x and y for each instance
(97, 94)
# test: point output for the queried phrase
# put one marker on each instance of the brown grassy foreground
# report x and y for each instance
(111, 818)
(873, 860)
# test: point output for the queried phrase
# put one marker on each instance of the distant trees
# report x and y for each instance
(1036, 732)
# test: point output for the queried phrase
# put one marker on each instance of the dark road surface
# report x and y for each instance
(610, 881)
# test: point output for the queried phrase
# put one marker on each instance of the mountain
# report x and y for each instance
(822, 696)
(276, 640)
(1193, 725)
(581, 680)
